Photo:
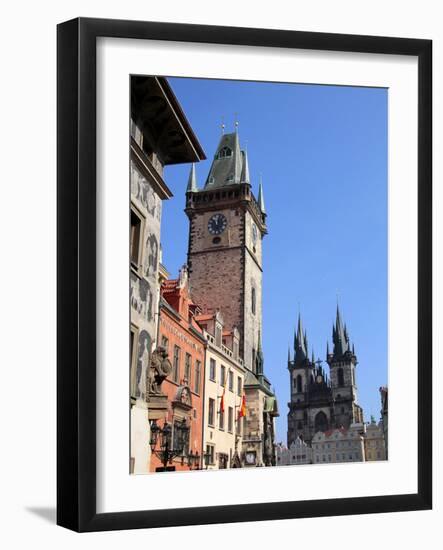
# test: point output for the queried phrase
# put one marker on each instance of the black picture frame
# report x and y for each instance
(76, 279)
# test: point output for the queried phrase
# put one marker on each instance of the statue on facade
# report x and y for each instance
(268, 450)
(159, 369)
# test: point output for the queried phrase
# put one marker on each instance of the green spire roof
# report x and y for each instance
(226, 168)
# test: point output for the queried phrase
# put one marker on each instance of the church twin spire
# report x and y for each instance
(340, 339)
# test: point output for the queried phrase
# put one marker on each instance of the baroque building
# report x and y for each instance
(339, 445)
(375, 448)
(181, 338)
(227, 224)
(224, 382)
(160, 135)
(320, 402)
(297, 453)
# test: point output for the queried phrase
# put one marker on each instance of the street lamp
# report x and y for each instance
(193, 460)
(166, 453)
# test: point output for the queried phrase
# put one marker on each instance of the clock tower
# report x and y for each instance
(227, 226)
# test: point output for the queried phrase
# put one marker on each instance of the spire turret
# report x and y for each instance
(261, 199)
(192, 180)
(340, 336)
(245, 178)
(259, 360)
(300, 343)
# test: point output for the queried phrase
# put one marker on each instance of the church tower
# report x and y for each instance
(227, 225)
(342, 365)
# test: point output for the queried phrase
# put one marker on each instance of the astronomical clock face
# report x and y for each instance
(250, 458)
(217, 224)
(319, 379)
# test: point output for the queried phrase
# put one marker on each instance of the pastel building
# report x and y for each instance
(374, 442)
(297, 453)
(339, 445)
(224, 394)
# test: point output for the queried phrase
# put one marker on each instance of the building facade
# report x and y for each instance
(224, 383)
(160, 135)
(298, 453)
(374, 441)
(384, 415)
(182, 339)
(227, 224)
(339, 445)
(319, 403)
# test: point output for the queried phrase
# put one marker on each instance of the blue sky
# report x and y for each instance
(322, 153)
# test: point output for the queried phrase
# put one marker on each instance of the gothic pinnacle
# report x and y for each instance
(245, 178)
(192, 180)
(261, 200)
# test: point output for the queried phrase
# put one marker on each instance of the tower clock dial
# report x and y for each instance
(217, 224)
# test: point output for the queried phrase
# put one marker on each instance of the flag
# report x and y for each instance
(242, 412)
(222, 399)
(222, 402)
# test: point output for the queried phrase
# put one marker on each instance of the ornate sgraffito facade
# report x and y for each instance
(319, 403)
(227, 225)
(160, 135)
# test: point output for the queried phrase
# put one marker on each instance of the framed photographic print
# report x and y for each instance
(244, 274)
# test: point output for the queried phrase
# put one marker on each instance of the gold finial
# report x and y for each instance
(223, 125)
(236, 121)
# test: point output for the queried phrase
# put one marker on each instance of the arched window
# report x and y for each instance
(321, 422)
(253, 300)
(224, 152)
(340, 377)
(298, 383)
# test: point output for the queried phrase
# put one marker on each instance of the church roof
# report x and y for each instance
(229, 164)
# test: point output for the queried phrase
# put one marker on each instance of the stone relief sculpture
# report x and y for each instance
(142, 298)
(144, 347)
(151, 256)
(143, 192)
(159, 369)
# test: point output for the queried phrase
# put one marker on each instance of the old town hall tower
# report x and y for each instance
(227, 225)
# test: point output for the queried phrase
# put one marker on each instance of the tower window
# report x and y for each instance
(136, 229)
(224, 152)
(340, 377)
(298, 383)
(253, 301)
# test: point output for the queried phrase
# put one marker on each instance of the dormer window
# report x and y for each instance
(230, 177)
(224, 152)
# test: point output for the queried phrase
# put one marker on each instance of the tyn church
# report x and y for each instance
(318, 402)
